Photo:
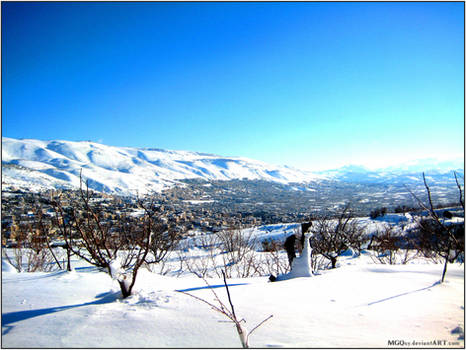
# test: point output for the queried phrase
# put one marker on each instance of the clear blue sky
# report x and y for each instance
(311, 85)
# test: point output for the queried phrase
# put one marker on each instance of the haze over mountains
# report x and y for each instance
(39, 164)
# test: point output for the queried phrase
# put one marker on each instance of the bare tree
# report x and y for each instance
(165, 236)
(461, 198)
(436, 235)
(230, 313)
(120, 246)
(334, 236)
(202, 265)
(44, 233)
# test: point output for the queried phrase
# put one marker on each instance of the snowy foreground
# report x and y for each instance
(358, 304)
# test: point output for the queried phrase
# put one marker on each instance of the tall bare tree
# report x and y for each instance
(119, 246)
(334, 236)
(436, 235)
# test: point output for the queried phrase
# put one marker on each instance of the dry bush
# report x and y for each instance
(238, 252)
(389, 246)
(32, 251)
(232, 252)
(242, 331)
(205, 265)
(275, 263)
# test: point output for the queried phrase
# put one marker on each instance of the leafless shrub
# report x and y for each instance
(61, 221)
(319, 262)
(389, 246)
(205, 264)
(230, 313)
(238, 252)
(275, 262)
(32, 250)
(27, 257)
(233, 252)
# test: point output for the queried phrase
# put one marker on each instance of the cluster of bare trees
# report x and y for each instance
(334, 236)
(392, 245)
(433, 236)
(232, 251)
(119, 246)
(33, 249)
(436, 236)
(122, 245)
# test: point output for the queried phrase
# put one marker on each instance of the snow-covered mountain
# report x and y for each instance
(125, 170)
(436, 172)
(39, 164)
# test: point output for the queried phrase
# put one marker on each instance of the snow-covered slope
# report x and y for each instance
(126, 170)
(122, 170)
(436, 172)
(357, 305)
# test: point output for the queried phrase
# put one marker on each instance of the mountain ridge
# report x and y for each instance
(128, 170)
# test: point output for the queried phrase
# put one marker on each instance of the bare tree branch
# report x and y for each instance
(459, 189)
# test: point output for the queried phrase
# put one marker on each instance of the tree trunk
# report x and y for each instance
(124, 290)
(53, 254)
(445, 268)
(334, 262)
(68, 257)
(243, 336)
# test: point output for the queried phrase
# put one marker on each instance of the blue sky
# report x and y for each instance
(311, 85)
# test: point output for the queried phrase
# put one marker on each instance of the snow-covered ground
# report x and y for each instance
(358, 304)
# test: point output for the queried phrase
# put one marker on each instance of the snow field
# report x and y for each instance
(359, 304)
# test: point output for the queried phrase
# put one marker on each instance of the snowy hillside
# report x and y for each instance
(436, 172)
(360, 304)
(126, 170)
(122, 170)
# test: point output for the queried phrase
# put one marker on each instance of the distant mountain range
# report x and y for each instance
(37, 165)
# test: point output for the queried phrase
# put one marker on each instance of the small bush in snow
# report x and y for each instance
(242, 331)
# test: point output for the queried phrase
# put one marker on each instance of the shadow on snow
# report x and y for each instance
(403, 294)
(12, 317)
(16, 316)
(210, 287)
